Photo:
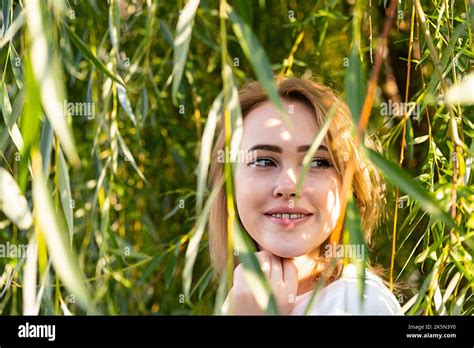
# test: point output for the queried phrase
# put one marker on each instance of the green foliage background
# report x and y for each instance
(126, 212)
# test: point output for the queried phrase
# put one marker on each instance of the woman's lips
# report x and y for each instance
(288, 222)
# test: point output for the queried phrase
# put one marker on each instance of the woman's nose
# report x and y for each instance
(286, 185)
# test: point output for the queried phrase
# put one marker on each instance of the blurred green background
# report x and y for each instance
(113, 203)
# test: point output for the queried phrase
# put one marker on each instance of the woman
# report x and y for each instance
(291, 231)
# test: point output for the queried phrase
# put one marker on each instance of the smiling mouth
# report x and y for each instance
(287, 219)
(288, 216)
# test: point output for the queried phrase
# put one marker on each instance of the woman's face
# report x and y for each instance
(279, 221)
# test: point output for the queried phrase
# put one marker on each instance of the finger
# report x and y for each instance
(239, 278)
(277, 271)
(290, 275)
(265, 261)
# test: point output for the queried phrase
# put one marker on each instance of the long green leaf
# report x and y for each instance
(46, 145)
(76, 40)
(318, 139)
(9, 118)
(460, 31)
(13, 29)
(354, 85)
(181, 42)
(64, 261)
(48, 73)
(125, 102)
(205, 156)
(193, 245)
(232, 98)
(406, 183)
(253, 273)
(15, 62)
(114, 24)
(258, 59)
(65, 194)
(244, 8)
(129, 157)
(13, 203)
(29, 279)
(171, 266)
(356, 238)
(6, 6)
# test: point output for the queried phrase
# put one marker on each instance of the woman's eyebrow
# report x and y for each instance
(275, 148)
(265, 147)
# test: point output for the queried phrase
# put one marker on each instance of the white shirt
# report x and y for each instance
(342, 297)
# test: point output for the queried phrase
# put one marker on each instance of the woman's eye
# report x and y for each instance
(320, 163)
(262, 162)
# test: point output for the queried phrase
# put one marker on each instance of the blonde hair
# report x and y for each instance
(368, 186)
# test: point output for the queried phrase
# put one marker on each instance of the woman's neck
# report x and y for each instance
(306, 278)
(306, 265)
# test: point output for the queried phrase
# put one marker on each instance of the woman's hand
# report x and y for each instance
(283, 277)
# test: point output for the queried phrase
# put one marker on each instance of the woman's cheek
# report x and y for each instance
(247, 197)
(324, 196)
(334, 197)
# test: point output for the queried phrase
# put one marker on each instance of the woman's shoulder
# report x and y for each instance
(342, 297)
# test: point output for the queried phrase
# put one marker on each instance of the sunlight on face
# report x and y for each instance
(286, 225)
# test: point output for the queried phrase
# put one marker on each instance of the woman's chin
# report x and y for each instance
(286, 252)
